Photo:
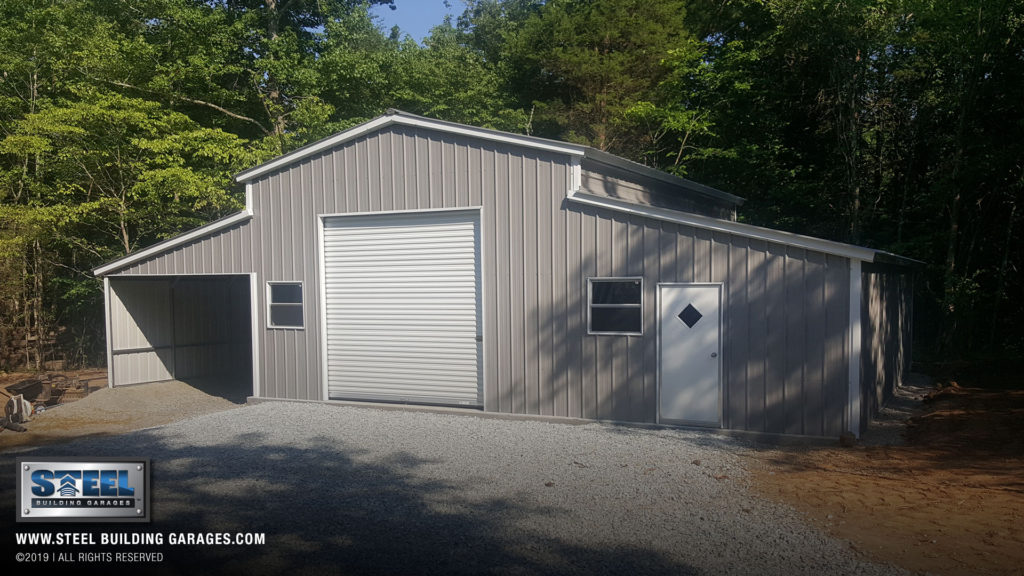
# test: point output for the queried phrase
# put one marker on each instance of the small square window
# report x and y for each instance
(615, 306)
(284, 304)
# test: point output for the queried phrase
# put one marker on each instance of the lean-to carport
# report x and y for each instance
(184, 309)
(179, 327)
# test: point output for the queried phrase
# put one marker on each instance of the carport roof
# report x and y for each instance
(173, 242)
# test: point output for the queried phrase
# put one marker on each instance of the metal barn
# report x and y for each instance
(420, 261)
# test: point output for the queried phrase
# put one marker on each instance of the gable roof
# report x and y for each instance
(575, 194)
(399, 118)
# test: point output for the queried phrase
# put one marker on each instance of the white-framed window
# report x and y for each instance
(284, 305)
(615, 306)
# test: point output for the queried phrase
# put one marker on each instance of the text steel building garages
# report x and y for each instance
(413, 260)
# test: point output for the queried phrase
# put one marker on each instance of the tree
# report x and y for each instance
(594, 60)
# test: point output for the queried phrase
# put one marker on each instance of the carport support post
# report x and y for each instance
(174, 335)
(853, 401)
(254, 322)
(107, 327)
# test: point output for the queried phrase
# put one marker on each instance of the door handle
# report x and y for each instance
(714, 354)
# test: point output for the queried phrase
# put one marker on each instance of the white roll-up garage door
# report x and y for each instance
(402, 297)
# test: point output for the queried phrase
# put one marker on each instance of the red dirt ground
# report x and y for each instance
(950, 501)
(106, 411)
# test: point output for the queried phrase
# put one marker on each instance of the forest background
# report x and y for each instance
(895, 124)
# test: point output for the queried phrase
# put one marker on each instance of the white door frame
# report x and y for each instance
(658, 318)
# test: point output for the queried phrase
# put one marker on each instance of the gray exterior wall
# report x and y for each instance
(141, 331)
(784, 330)
(212, 334)
(786, 310)
(228, 251)
(886, 332)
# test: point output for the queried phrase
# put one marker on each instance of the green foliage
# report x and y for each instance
(894, 124)
(594, 61)
(127, 167)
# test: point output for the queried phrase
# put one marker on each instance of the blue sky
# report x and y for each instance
(416, 17)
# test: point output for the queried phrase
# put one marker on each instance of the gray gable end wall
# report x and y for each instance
(785, 336)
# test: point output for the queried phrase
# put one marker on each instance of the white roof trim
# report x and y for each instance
(173, 242)
(738, 228)
(419, 122)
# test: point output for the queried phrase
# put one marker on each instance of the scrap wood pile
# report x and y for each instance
(34, 395)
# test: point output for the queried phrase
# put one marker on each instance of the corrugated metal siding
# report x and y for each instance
(604, 180)
(785, 309)
(886, 314)
(227, 251)
(200, 321)
(196, 327)
(784, 323)
(398, 169)
(211, 327)
(140, 317)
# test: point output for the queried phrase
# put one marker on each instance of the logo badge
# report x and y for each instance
(83, 490)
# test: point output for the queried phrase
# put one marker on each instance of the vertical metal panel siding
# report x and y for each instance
(886, 306)
(140, 318)
(202, 327)
(402, 169)
(537, 252)
(240, 329)
(613, 182)
(225, 252)
(198, 326)
(784, 359)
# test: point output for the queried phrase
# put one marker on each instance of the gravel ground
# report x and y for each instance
(341, 489)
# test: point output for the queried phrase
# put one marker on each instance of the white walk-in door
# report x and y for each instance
(402, 297)
(689, 322)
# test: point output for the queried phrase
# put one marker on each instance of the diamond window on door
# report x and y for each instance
(690, 316)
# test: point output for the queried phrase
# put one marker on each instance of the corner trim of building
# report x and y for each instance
(109, 330)
(321, 278)
(854, 388)
(254, 322)
(575, 176)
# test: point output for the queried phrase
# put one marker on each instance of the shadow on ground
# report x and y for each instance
(326, 508)
(234, 391)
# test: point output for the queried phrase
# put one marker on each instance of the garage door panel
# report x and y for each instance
(403, 307)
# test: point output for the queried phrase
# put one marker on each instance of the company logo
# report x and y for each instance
(83, 490)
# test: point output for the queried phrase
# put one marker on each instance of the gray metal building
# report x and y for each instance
(414, 260)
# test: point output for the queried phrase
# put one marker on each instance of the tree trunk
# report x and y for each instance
(25, 306)
(1001, 286)
(37, 301)
(276, 108)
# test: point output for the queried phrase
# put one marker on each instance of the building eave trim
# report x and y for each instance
(172, 243)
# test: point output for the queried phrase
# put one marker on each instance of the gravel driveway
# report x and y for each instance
(341, 489)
